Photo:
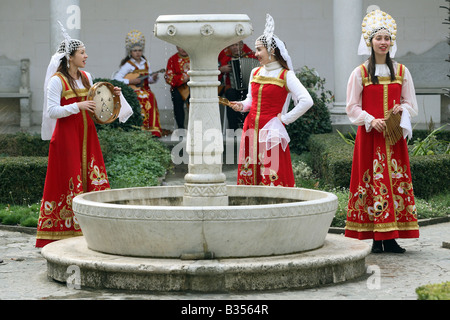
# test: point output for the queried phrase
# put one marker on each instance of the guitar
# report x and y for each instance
(184, 91)
(135, 75)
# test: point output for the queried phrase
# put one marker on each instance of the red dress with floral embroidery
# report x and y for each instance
(257, 165)
(149, 106)
(75, 165)
(381, 201)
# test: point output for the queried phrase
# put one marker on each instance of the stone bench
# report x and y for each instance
(15, 94)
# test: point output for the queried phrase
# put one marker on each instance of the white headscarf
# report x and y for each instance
(66, 47)
(268, 38)
(48, 124)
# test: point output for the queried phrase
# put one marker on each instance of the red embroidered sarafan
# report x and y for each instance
(75, 165)
(257, 165)
(381, 201)
(149, 106)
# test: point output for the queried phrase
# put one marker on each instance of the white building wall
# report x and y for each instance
(306, 27)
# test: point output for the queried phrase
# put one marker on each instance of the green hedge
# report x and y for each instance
(317, 119)
(422, 134)
(133, 158)
(430, 174)
(22, 179)
(332, 159)
(23, 144)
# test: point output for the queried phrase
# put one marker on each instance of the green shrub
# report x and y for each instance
(317, 119)
(439, 291)
(22, 179)
(134, 158)
(430, 174)
(431, 144)
(134, 170)
(116, 141)
(437, 205)
(331, 158)
(422, 134)
(135, 121)
(23, 144)
(25, 215)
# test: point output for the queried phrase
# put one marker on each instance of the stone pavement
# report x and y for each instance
(389, 276)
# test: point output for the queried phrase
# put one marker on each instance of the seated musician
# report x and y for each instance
(234, 51)
(177, 77)
(135, 71)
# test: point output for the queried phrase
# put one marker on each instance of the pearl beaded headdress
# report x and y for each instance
(373, 23)
(133, 39)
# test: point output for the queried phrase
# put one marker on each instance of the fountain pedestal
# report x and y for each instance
(203, 37)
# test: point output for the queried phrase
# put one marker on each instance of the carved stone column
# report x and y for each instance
(203, 37)
(348, 15)
(25, 103)
(69, 14)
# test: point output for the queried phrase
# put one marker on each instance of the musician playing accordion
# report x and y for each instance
(235, 64)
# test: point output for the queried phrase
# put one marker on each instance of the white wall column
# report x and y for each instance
(68, 12)
(347, 15)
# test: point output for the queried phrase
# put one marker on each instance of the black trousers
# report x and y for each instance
(235, 118)
(178, 107)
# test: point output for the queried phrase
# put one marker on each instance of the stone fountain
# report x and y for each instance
(205, 235)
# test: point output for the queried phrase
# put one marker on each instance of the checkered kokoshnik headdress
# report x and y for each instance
(271, 41)
(68, 45)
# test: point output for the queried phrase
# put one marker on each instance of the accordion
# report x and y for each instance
(241, 69)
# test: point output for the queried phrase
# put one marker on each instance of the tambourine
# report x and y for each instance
(107, 104)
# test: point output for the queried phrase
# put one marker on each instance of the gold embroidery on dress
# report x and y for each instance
(96, 177)
(246, 170)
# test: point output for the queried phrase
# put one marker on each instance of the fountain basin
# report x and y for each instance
(151, 222)
(202, 36)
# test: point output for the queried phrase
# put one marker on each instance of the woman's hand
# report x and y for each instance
(117, 91)
(397, 108)
(237, 106)
(279, 117)
(87, 105)
(379, 125)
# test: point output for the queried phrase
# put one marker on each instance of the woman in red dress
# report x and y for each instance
(75, 160)
(132, 68)
(381, 200)
(264, 157)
